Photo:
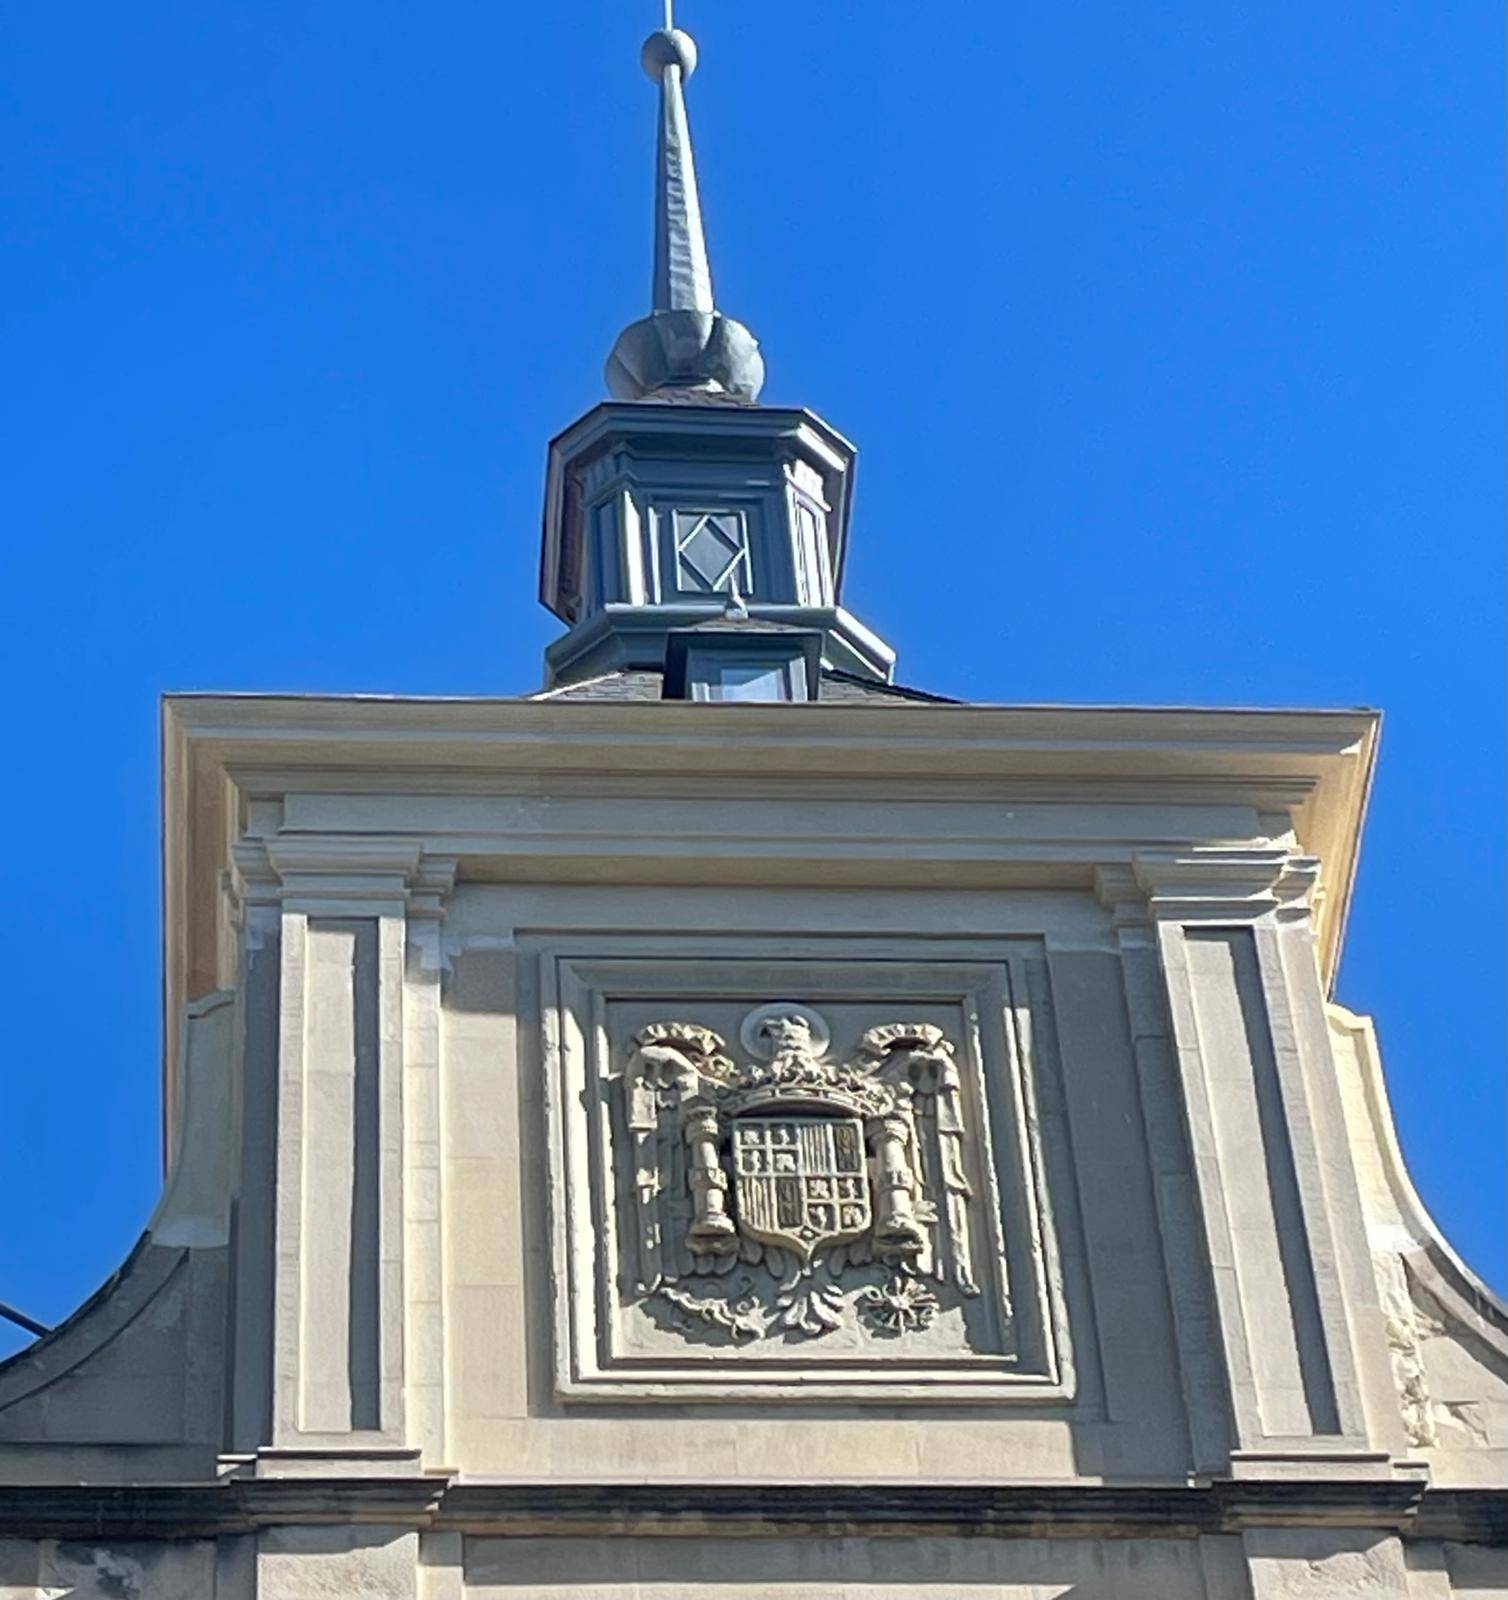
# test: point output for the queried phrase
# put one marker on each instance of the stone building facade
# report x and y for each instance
(730, 1125)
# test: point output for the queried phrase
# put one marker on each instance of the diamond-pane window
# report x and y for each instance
(711, 552)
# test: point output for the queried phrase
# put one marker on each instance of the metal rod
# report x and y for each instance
(21, 1320)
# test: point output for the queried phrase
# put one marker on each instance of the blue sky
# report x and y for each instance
(1170, 335)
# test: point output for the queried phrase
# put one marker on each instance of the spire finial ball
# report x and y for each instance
(668, 47)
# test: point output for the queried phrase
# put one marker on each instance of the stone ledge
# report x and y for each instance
(574, 1509)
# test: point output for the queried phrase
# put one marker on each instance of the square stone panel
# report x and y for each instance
(780, 1178)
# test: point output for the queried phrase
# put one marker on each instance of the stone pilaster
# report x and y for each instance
(1179, 1212)
(1259, 1219)
(338, 1200)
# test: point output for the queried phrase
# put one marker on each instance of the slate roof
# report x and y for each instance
(838, 688)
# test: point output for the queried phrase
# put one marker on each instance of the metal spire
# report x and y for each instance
(685, 347)
(682, 275)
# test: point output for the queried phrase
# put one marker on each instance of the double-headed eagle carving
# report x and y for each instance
(808, 1167)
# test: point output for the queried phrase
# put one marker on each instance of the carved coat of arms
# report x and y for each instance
(844, 1181)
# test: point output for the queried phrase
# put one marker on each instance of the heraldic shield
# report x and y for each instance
(801, 1182)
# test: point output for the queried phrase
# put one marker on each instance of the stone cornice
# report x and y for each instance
(333, 874)
(559, 734)
(679, 1509)
(1205, 885)
(1209, 885)
(1117, 889)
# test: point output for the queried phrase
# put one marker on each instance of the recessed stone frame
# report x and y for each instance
(596, 994)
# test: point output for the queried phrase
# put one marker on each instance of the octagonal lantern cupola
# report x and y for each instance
(681, 501)
(659, 517)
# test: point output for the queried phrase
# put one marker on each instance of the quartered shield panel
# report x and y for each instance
(801, 1182)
